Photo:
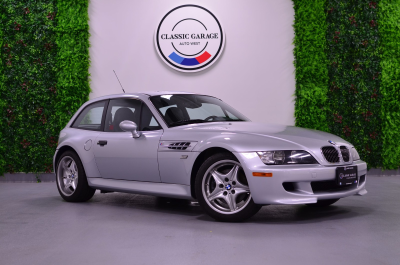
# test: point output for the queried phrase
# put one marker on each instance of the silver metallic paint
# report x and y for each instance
(175, 170)
(243, 139)
(128, 158)
(76, 139)
(130, 126)
(142, 187)
(269, 190)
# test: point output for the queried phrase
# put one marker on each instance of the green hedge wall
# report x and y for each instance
(73, 58)
(2, 105)
(29, 62)
(361, 102)
(353, 66)
(43, 51)
(310, 64)
(389, 28)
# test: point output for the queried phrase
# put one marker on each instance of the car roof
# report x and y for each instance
(157, 93)
(141, 95)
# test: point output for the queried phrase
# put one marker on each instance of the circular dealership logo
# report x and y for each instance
(189, 38)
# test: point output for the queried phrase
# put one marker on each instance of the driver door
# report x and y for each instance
(120, 156)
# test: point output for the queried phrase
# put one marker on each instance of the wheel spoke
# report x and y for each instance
(241, 190)
(67, 184)
(72, 167)
(218, 177)
(216, 195)
(231, 201)
(240, 186)
(64, 165)
(232, 174)
(73, 184)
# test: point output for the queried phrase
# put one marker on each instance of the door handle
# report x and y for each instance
(102, 142)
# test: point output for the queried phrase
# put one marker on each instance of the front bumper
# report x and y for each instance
(302, 182)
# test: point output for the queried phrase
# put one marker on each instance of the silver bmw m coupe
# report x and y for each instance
(196, 147)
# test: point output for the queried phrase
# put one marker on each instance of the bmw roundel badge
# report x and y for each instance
(331, 142)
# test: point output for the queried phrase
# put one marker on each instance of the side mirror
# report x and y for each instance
(130, 126)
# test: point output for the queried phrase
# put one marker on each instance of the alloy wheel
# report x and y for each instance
(67, 175)
(225, 187)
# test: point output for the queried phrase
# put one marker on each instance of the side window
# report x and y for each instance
(148, 122)
(120, 110)
(90, 117)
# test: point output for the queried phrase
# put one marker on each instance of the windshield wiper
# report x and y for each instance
(230, 119)
(184, 122)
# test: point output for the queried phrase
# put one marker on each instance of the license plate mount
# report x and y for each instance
(346, 175)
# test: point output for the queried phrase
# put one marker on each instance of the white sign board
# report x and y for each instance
(189, 38)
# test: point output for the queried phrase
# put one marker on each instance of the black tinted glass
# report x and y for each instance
(90, 117)
(181, 109)
(148, 122)
(120, 110)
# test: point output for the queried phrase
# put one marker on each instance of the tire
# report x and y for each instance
(71, 179)
(225, 194)
(323, 203)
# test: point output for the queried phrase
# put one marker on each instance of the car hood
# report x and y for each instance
(291, 134)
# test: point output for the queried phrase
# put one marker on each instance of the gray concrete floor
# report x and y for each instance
(38, 227)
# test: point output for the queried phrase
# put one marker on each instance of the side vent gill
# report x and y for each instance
(166, 146)
(179, 145)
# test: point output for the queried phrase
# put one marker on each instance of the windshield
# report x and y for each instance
(181, 109)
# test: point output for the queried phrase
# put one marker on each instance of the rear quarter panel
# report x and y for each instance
(81, 141)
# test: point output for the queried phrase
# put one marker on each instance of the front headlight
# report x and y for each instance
(286, 157)
(355, 154)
